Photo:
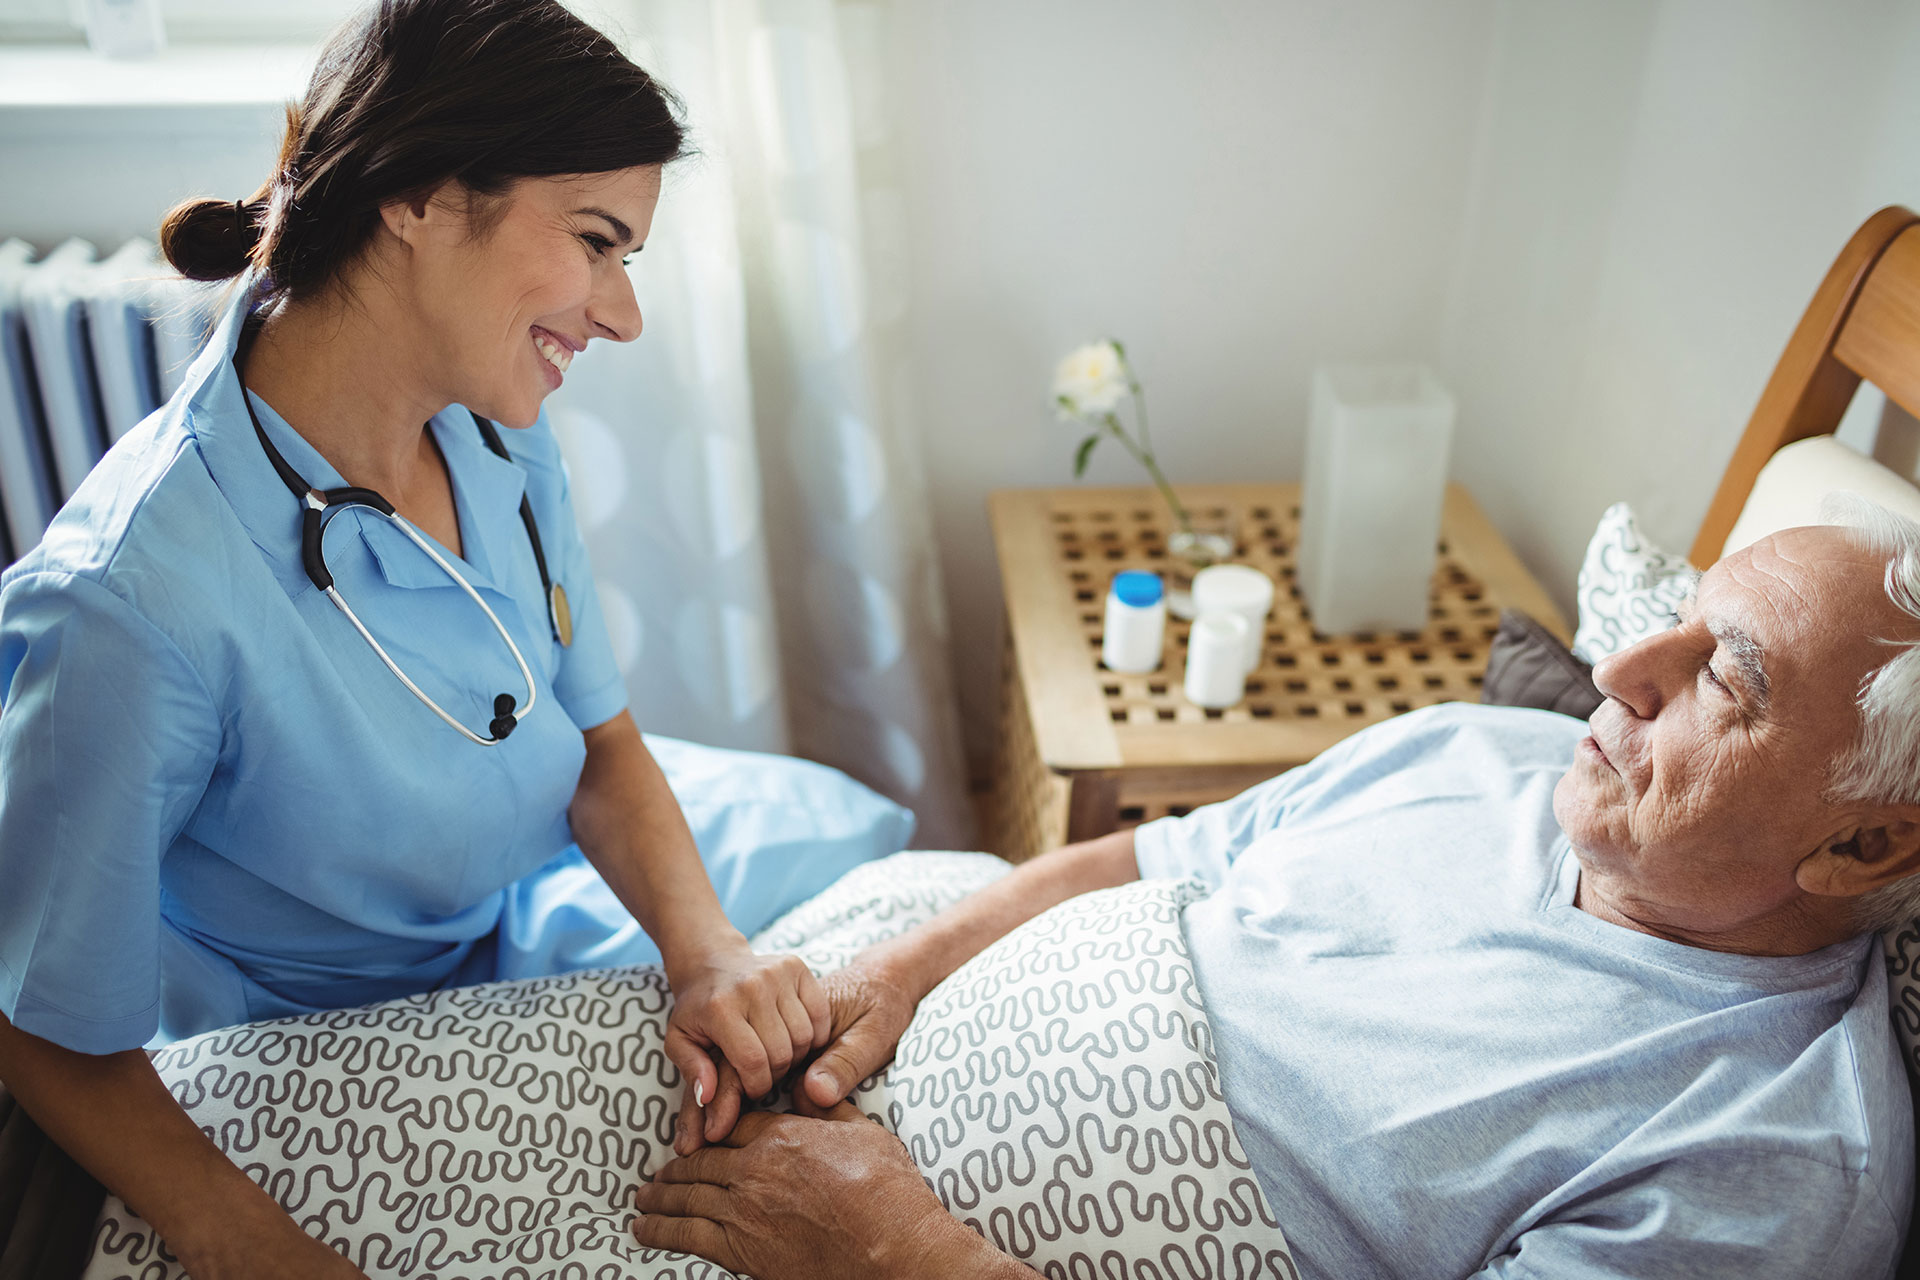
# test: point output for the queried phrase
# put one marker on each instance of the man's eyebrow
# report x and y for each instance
(620, 229)
(1742, 648)
(1746, 655)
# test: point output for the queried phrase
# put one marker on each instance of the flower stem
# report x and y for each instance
(1144, 456)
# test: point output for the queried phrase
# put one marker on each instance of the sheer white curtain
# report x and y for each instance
(747, 474)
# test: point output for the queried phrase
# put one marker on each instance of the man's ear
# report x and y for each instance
(1880, 846)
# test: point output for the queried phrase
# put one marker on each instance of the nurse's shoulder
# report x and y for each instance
(148, 527)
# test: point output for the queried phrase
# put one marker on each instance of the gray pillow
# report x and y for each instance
(1529, 667)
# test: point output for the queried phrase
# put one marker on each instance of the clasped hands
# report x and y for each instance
(823, 1192)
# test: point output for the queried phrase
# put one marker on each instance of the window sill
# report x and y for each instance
(74, 78)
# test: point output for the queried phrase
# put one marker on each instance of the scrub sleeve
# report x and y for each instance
(107, 740)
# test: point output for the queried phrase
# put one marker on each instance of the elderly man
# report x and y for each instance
(1494, 993)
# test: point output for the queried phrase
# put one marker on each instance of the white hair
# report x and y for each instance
(1883, 764)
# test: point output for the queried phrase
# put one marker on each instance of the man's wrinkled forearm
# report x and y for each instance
(919, 960)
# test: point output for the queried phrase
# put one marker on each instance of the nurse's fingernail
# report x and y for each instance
(699, 1095)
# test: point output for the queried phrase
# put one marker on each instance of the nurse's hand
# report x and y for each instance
(870, 1012)
(761, 1013)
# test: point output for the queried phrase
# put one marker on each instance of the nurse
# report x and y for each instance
(267, 749)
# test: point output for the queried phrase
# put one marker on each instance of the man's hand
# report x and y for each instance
(803, 1198)
(764, 1013)
(262, 1244)
(870, 1010)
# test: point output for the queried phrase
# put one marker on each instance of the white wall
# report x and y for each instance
(1236, 188)
(1658, 190)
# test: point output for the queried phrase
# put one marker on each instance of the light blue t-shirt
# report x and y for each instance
(216, 803)
(1441, 1067)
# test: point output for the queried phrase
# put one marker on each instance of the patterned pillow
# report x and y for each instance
(1059, 1091)
(1628, 587)
(1060, 1094)
(1901, 950)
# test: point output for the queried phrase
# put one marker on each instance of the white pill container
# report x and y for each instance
(1136, 622)
(1216, 665)
(1241, 590)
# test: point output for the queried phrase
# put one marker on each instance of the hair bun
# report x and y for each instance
(209, 239)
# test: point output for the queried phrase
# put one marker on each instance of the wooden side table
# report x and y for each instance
(1083, 751)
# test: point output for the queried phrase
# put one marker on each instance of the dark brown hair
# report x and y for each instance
(410, 94)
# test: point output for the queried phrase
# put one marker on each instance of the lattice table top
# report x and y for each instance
(1059, 549)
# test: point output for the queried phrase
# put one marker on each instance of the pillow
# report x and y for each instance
(1060, 1094)
(498, 1130)
(1529, 667)
(772, 830)
(1628, 587)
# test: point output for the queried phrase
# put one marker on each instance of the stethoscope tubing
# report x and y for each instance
(316, 508)
(339, 601)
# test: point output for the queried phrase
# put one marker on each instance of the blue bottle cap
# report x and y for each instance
(1137, 587)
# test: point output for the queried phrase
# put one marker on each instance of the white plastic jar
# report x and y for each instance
(1136, 622)
(1239, 589)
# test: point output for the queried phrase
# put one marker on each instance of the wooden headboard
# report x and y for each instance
(1863, 323)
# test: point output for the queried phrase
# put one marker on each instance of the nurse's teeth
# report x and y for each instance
(558, 357)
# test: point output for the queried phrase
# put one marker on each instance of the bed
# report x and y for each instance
(1863, 324)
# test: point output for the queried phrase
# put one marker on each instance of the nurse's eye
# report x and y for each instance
(601, 246)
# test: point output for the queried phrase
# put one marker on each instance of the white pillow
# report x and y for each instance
(1060, 1094)
(1628, 587)
(1059, 1091)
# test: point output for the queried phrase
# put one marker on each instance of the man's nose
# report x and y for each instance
(1643, 676)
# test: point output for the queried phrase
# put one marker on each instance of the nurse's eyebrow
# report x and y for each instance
(620, 228)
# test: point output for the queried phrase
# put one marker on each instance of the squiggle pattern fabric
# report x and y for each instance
(1059, 1092)
(1628, 587)
(1901, 950)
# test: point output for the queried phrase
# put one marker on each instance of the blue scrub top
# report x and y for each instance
(216, 804)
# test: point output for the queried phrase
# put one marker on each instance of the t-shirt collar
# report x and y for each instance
(1771, 972)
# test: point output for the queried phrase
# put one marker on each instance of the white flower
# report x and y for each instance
(1091, 381)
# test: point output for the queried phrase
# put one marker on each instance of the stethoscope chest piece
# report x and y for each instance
(562, 614)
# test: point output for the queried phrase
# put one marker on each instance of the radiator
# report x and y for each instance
(88, 347)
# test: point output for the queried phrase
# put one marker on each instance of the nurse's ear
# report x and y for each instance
(438, 213)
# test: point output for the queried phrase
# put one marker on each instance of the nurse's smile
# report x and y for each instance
(556, 354)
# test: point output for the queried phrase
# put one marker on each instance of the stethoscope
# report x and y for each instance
(317, 508)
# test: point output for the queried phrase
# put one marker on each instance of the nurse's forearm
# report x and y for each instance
(630, 828)
(114, 1116)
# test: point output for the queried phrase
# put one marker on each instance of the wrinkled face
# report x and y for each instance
(1700, 789)
(502, 313)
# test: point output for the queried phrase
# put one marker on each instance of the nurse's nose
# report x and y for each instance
(612, 310)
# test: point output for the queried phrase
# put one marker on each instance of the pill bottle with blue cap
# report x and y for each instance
(1136, 622)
